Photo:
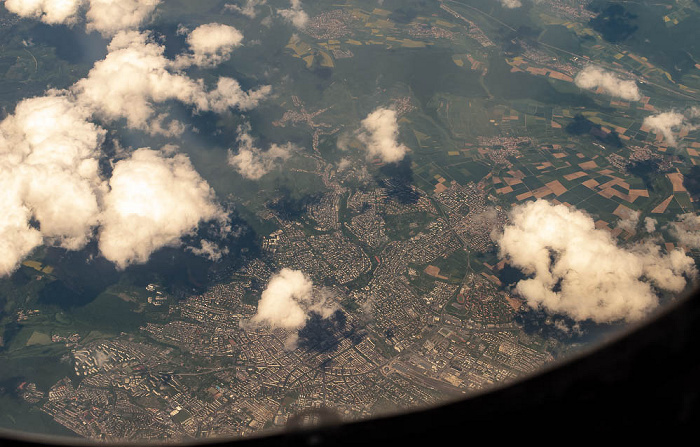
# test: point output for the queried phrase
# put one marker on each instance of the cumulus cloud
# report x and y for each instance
(154, 200)
(288, 301)
(228, 94)
(379, 134)
(666, 124)
(581, 272)
(248, 9)
(630, 221)
(344, 164)
(49, 173)
(650, 224)
(687, 230)
(104, 16)
(135, 76)
(284, 301)
(252, 162)
(210, 250)
(210, 44)
(511, 4)
(54, 193)
(295, 14)
(670, 123)
(593, 77)
(18, 238)
(48, 11)
(52, 188)
(108, 17)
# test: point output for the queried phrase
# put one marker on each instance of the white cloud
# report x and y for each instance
(665, 123)
(104, 16)
(285, 300)
(48, 11)
(48, 173)
(650, 224)
(211, 44)
(379, 135)
(669, 123)
(249, 8)
(344, 164)
(132, 77)
(593, 77)
(580, 271)
(161, 124)
(228, 95)
(687, 230)
(17, 238)
(630, 221)
(295, 14)
(252, 162)
(511, 4)
(154, 200)
(52, 189)
(108, 17)
(135, 76)
(209, 250)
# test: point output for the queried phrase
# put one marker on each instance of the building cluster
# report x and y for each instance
(369, 227)
(400, 339)
(473, 30)
(571, 9)
(640, 154)
(471, 216)
(330, 25)
(501, 149)
(30, 392)
(347, 260)
(427, 31)
(325, 212)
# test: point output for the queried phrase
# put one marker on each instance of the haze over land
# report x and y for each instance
(217, 215)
